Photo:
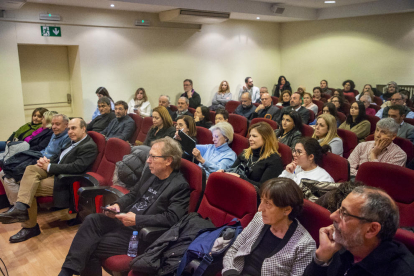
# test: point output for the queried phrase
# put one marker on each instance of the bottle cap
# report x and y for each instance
(135, 233)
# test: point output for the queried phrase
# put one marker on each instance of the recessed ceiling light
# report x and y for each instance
(330, 2)
(112, 5)
(257, 17)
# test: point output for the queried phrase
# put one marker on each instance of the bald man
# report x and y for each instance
(39, 180)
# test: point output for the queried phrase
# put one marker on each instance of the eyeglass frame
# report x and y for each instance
(294, 151)
(342, 215)
(151, 157)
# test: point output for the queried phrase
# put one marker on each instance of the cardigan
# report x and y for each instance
(144, 109)
(153, 135)
(290, 257)
(361, 130)
(219, 158)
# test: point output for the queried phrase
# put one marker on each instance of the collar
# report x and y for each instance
(120, 119)
(183, 112)
(256, 152)
(77, 143)
(298, 108)
(65, 132)
(223, 147)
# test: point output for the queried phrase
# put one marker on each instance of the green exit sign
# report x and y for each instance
(50, 31)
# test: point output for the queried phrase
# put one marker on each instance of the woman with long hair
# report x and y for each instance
(326, 133)
(285, 98)
(290, 130)
(187, 125)
(317, 94)
(140, 104)
(390, 89)
(282, 85)
(102, 92)
(357, 121)
(162, 125)
(338, 101)
(307, 102)
(202, 117)
(328, 108)
(222, 96)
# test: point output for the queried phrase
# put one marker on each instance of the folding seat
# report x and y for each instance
(336, 166)
(405, 237)
(173, 108)
(239, 144)
(319, 104)
(311, 116)
(397, 181)
(403, 143)
(145, 127)
(204, 136)
(409, 121)
(231, 106)
(286, 154)
(239, 124)
(376, 107)
(272, 123)
(307, 131)
(373, 120)
(213, 116)
(275, 100)
(341, 117)
(346, 107)
(349, 141)
(192, 110)
(350, 98)
(138, 121)
(378, 100)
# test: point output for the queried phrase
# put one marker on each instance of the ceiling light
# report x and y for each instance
(257, 17)
(112, 5)
(330, 2)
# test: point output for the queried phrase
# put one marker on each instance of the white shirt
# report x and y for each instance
(254, 93)
(317, 174)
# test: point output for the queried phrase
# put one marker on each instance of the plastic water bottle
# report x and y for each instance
(133, 245)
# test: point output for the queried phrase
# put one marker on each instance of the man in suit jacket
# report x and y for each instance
(39, 179)
(123, 126)
(159, 200)
(406, 131)
(296, 104)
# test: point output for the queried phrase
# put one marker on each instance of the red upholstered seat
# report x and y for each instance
(239, 144)
(145, 127)
(403, 143)
(239, 124)
(376, 107)
(373, 120)
(405, 237)
(272, 123)
(138, 122)
(319, 104)
(286, 154)
(378, 100)
(349, 140)
(311, 116)
(397, 181)
(341, 117)
(275, 100)
(350, 98)
(307, 131)
(212, 116)
(192, 110)
(336, 166)
(256, 104)
(327, 97)
(204, 136)
(409, 121)
(173, 108)
(346, 107)
(232, 105)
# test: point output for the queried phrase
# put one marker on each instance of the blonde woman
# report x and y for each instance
(140, 104)
(162, 125)
(326, 134)
(222, 96)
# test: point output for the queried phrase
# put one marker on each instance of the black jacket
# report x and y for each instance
(164, 132)
(101, 122)
(195, 100)
(204, 123)
(41, 140)
(273, 111)
(164, 255)
(285, 87)
(303, 112)
(15, 166)
(121, 128)
(290, 139)
(245, 112)
(175, 115)
(77, 161)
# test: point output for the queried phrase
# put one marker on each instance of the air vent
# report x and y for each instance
(276, 9)
(193, 16)
(11, 4)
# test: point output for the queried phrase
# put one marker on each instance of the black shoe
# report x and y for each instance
(14, 215)
(25, 233)
(8, 210)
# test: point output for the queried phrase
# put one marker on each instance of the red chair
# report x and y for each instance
(256, 104)
(145, 127)
(272, 123)
(212, 116)
(405, 237)
(376, 107)
(397, 181)
(349, 140)
(173, 108)
(307, 131)
(350, 98)
(275, 100)
(346, 107)
(239, 124)
(319, 104)
(409, 121)
(192, 110)
(286, 154)
(373, 120)
(138, 122)
(341, 117)
(204, 136)
(239, 144)
(378, 100)
(311, 116)
(313, 218)
(231, 106)
(336, 166)
(409, 103)
(325, 96)
(403, 143)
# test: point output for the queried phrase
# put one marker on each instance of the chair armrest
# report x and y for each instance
(150, 234)
(85, 179)
(92, 192)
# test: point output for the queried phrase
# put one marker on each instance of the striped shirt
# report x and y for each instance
(393, 154)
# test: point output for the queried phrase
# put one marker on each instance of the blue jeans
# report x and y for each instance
(3, 146)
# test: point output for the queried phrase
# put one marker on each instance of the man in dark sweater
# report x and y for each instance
(102, 121)
(266, 109)
(296, 104)
(122, 126)
(246, 108)
(190, 94)
(360, 240)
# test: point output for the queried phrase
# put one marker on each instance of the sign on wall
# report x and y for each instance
(50, 31)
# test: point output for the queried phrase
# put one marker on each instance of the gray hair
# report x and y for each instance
(250, 96)
(393, 83)
(64, 117)
(168, 97)
(226, 130)
(186, 99)
(368, 98)
(172, 149)
(379, 207)
(105, 100)
(48, 115)
(388, 124)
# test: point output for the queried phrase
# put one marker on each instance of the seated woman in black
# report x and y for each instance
(202, 117)
(290, 130)
(102, 121)
(162, 125)
(261, 161)
(186, 124)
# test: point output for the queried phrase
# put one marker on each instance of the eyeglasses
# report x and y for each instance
(394, 100)
(152, 157)
(297, 152)
(343, 213)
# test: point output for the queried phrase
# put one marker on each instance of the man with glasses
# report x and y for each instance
(102, 121)
(396, 99)
(359, 242)
(266, 109)
(192, 96)
(123, 126)
(158, 200)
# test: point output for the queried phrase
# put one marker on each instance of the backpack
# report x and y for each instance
(201, 248)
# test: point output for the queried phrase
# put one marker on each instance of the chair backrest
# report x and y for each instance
(409, 121)
(213, 116)
(272, 123)
(405, 237)
(397, 181)
(115, 150)
(313, 218)
(145, 127)
(286, 154)
(256, 104)
(403, 143)
(336, 166)
(239, 124)
(275, 100)
(409, 103)
(341, 117)
(350, 98)
(307, 131)
(349, 141)
(326, 96)
(376, 107)
(373, 120)
(222, 208)
(138, 122)
(378, 101)
(231, 106)
(204, 136)
(100, 142)
(311, 116)
(319, 104)
(192, 110)
(173, 108)
(239, 144)
(346, 107)
(196, 178)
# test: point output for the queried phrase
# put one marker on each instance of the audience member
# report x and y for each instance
(282, 85)
(246, 108)
(164, 100)
(162, 126)
(325, 89)
(248, 87)
(405, 130)
(140, 104)
(390, 89)
(40, 138)
(382, 149)
(360, 240)
(317, 94)
(301, 90)
(158, 201)
(274, 242)
(221, 97)
(366, 100)
(102, 121)
(262, 91)
(367, 90)
(123, 126)
(202, 117)
(193, 97)
(187, 125)
(39, 180)
(307, 102)
(349, 87)
(328, 108)
(290, 130)
(296, 104)
(216, 156)
(357, 121)
(102, 92)
(266, 109)
(182, 108)
(307, 155)
(222, 115)
(261, 161)
(285, 98)
(339, 104)
(326, 133)
(395, 99)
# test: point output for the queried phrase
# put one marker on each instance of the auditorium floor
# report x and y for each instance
(41, 255)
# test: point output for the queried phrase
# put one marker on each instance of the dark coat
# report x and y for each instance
(194, 101)
(273, 111)
(204, 123)
(15, 166)
(303, 112)
(175, 115)
(164, 132)
(285, 87)
(101, 122)
(121, 128)
(41, 140)
(290, 139)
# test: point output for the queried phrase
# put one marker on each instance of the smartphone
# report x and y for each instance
(109, 210)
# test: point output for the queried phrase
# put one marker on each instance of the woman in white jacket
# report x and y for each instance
(140, 104)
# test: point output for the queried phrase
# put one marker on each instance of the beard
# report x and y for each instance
(350, 240)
